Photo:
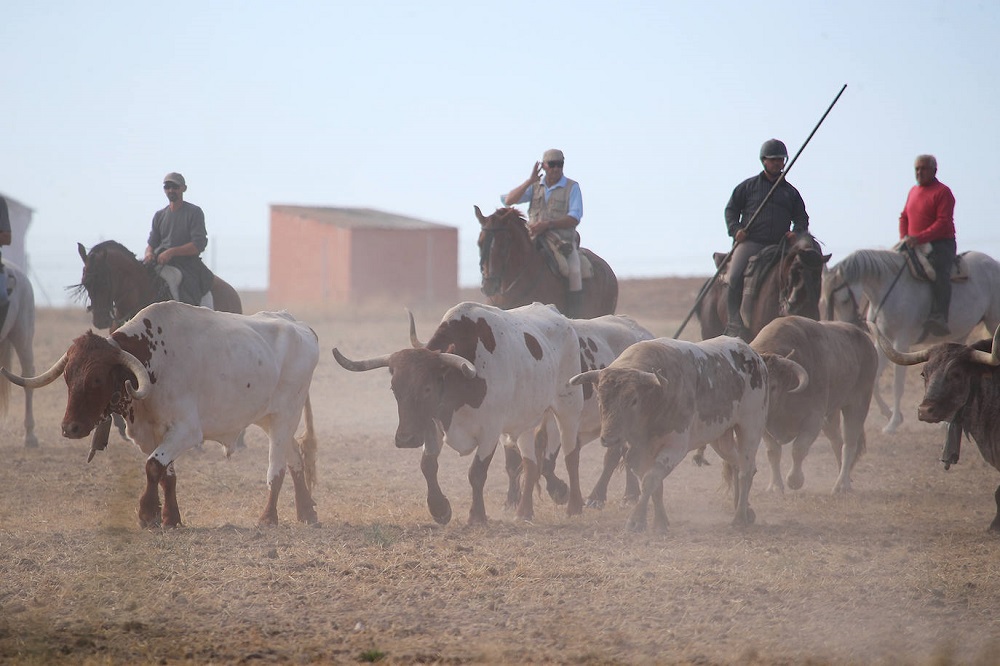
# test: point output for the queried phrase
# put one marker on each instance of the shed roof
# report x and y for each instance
(12, 200)
(357, 217)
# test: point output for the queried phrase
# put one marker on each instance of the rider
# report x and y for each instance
(929, 217)
(176, 240)
(5, 239)
(555, 210)
(784, 208)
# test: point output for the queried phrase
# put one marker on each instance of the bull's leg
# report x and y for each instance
(652, 481)
(774, 459)
(305, 506)
(832, 431)
(270, 514)
(149, 501)
(800, 449)
(995, 525)
(477, 479)
(547, 435)
(631, 487)
(660, 522)
(854, 445)
(529, 478)
(171, 514)
(883, 406)
(512, 463)
(437, 503)
(599, 495)
(747, 443)
(575, 505)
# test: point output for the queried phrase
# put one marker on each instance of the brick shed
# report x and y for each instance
(324, 256)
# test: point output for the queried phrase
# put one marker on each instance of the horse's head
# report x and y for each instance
(112, 279)
(502, 235)
(841, 300)
(95, 285)
(802, 277)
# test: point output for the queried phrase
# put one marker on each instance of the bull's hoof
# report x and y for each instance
(594, 503)
(995, 526)
(575, 508)
(558, 491)
(745, 520)
(268, 520)
(30, 442)
(700, 460)
(308, 516)
(635, 526)
(476, 520)
(630, 500)
(796, 481)
(440, 509)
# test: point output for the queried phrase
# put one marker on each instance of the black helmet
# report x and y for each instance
(773, 148)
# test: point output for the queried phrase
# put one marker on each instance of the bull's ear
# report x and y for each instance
(660, 379)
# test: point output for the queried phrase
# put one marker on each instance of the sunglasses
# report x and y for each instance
(171, 186)
(554, 165)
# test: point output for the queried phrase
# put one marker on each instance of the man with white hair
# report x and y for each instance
(555, 211)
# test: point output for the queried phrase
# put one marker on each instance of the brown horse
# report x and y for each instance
(792, 286)
(516, 272)
(118, 285)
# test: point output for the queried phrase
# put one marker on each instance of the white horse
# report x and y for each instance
(899, 304)
(18, 333)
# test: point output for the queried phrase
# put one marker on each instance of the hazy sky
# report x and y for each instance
(425, 109)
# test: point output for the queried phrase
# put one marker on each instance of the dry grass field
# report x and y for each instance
(901, 571)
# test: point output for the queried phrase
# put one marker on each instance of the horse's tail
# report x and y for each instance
(5, 357)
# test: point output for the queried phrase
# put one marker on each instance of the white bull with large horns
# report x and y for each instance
(180, 374)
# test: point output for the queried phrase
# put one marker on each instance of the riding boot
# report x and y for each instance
(574, 304)
(735, 328)
(3, 313)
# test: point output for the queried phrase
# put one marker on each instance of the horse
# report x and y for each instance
(899, 304)
(118, 285)
(516, 272)
(17, 334)
(791, 287)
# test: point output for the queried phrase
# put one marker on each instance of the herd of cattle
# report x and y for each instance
(527, 378)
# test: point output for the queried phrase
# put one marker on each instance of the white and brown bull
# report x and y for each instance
(485, 372)
(180, 374)
(668, 397)
(962, 387)
(821, 375)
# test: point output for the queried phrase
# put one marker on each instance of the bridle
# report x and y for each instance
(494, 276)
(856, 318)
(785, 285)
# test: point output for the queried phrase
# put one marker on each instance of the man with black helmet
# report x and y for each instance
(783, 216)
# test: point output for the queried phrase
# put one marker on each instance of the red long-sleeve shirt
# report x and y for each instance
(929, 213)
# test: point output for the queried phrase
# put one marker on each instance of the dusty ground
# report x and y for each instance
(900, 571)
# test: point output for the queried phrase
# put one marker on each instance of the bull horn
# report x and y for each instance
(460, 363)
(801, 373)
(361, 366)
(588, 377)
(414, 340)
(993, 358)
(41, 380)
(897, 357)
(141, 375)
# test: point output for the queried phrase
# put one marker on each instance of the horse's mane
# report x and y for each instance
(511, 212)
(78, 292)
(866, 262)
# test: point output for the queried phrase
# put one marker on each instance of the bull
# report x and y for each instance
(485, 372)
(180, 374)
(962, 387)
(668, 397)
(821, 376)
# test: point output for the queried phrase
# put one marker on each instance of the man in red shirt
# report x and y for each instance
(929, 217)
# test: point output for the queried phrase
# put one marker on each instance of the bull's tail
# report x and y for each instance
(307, 446)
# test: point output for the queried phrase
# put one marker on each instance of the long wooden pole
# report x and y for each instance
(722, 265)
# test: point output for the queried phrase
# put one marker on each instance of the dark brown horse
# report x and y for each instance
(792, 286)
(118, 285)
(516, 272)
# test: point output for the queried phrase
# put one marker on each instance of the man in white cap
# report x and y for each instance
(176, 240)
(555, 209)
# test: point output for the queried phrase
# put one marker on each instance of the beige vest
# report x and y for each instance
(556, 207)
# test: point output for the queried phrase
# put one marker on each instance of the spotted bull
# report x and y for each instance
(667, 397)
(821, 376)
(485, 372)
(180, 374)
(962, 387)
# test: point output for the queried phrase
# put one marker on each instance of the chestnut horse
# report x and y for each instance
(118, 285)
(791, 287)
(516, 272)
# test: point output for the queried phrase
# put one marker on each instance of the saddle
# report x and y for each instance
(556, 250)
(753, 277)
(920, 266)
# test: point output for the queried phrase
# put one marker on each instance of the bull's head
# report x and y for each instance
(96, 369)
(420, 385)
(627, 398)
(948, 375)
(784, 375)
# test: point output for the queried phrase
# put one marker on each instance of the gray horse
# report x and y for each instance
(18, 334)
(898, 304)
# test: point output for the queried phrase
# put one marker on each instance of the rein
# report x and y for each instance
(502, 291)
(888, 291)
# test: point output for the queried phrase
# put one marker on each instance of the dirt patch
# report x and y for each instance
(900, 571)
